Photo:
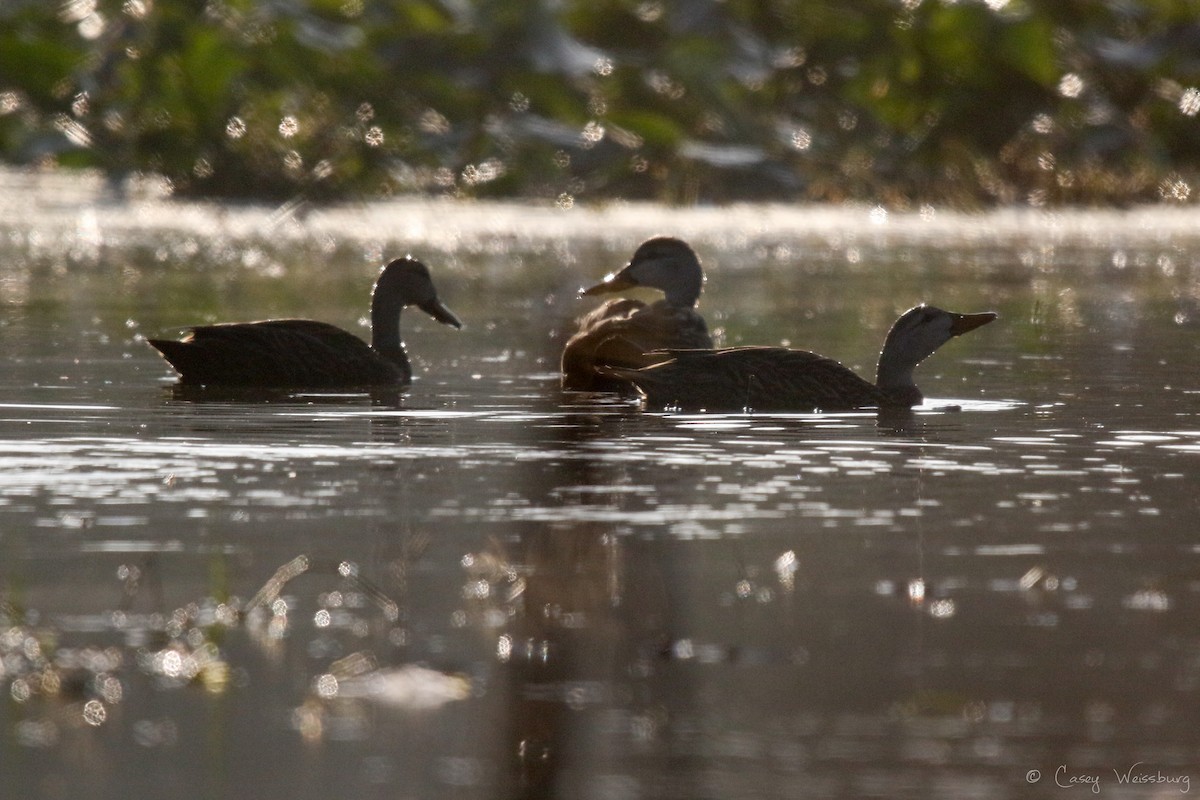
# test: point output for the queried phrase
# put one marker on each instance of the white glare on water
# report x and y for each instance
(423, 223)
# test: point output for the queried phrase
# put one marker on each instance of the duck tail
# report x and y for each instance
(183, 356)
(170, 349)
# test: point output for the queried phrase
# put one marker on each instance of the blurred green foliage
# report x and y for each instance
(902, 102)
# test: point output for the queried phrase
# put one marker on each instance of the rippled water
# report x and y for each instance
(485, 587)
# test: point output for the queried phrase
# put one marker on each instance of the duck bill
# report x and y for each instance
(615, 282)
(969, 322)
(438, 311)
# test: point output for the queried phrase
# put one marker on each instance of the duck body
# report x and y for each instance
(631, 334)
(783, 379)
(751, 378)
(280, 353)
(301, 353)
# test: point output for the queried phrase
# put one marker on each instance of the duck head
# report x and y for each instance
(915, 336)
(664, 263)
(404, 282)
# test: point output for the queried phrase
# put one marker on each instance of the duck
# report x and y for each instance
(303, 353)
(624, 332)
(784, 379)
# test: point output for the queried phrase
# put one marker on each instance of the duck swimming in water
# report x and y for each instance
(630, 334)
(781, 379)
(302, 353)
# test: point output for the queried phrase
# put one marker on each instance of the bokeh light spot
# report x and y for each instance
(289, 126)
(1071, 85)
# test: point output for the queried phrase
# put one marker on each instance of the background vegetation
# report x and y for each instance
(894, 101)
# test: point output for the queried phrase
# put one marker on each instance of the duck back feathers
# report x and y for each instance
(282, 352)
(751, 378)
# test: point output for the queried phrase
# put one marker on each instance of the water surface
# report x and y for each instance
(486, 587)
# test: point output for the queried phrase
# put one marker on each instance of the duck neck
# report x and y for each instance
(895, 380)
(385, 327)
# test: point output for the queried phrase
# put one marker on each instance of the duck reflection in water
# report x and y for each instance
(625, 332)
(782, 379)
(301, 353)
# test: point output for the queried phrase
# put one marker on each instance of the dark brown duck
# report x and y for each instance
(782, 379)
(302, 353)
(625, 332)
